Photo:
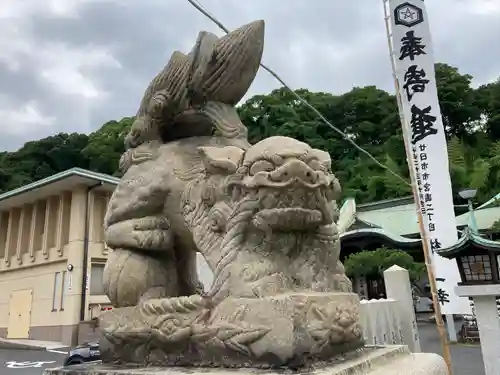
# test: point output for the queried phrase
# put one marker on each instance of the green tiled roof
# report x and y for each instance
(469, 238)
(485, 217)
(399, 219)
(394, 239)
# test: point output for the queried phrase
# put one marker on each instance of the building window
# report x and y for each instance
(4, 222)
(56, 293)
(64, 287)
(96, 279)
(477, 268)
(100, 208)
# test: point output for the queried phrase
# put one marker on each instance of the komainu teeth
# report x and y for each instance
(293, 198)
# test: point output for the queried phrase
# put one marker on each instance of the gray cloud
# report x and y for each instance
(71, 65)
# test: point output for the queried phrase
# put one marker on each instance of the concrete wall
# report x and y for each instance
(38, 241)
(47, 313)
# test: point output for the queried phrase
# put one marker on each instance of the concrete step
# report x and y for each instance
(26, 344)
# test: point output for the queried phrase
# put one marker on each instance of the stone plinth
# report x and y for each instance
(485, 304)
(282, 330)
(393, 360)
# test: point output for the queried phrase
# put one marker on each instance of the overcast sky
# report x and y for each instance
(71, 65)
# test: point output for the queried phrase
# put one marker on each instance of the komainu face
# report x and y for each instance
(292, 182)
(289, 183)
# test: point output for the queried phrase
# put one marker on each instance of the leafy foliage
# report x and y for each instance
(368, 115)
(374, 263)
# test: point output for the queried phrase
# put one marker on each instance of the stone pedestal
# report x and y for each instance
(391, 360)
(283, 330)
(485, 303)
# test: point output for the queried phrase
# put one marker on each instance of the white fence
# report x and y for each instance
(381, 322)
(391, 321)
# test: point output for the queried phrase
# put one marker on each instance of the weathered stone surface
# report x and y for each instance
(396, 360)
(283, 330)
(267, 231)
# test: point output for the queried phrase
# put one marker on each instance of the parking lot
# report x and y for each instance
(28, 362)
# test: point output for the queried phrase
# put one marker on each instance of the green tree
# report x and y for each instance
(42, 158)
(374, 263)
(457, 99)
(106, 145)
(488, 99)
(468, 168)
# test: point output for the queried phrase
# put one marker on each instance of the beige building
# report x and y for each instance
(51, 235)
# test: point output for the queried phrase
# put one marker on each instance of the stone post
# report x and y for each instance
(398, 287)
(488, 323)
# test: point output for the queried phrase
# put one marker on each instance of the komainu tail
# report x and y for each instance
(195, 94)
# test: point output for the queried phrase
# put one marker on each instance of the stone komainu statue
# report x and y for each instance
(193, 96)
(263, 216)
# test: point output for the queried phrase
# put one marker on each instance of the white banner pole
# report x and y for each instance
(390, 11)
(424, 134)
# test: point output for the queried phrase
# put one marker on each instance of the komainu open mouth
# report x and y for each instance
(292, 208)
(283, 219)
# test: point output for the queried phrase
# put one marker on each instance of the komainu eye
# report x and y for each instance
(261, 166)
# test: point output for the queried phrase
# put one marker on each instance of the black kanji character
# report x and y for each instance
(423, 156)
(442, 296)
(428, 197)
(422, 123)
(422, 147)
(425, 176)
(424, 167)
(427, 187)
(435, 244)
(414, 81)
(411, 46)
(432, 227)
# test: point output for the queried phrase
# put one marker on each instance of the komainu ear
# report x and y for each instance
(225, 160)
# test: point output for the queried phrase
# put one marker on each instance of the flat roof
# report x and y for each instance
(66, 180)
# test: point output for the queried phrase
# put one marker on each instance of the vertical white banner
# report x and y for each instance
(414, 70)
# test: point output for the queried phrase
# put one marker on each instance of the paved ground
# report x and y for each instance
(466, 360)
(28, 362)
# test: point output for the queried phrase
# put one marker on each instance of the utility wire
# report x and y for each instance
(212, 18)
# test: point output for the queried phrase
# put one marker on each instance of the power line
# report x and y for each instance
(212, 18)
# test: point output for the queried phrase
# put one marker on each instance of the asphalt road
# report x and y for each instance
(28, 362)
(467, 360)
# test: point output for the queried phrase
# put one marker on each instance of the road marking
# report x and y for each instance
(56, 351)
(27, 364)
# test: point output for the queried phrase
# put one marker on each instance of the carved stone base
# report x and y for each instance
(393, 360)
(284, 330)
